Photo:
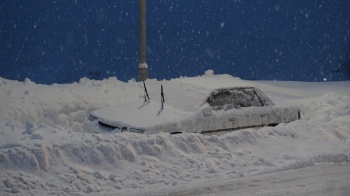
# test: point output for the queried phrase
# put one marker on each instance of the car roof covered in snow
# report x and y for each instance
(189, 93)
(214, 81)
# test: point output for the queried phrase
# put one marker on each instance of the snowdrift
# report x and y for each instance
(46, 149)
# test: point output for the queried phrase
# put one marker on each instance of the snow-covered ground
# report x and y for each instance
(45, 148)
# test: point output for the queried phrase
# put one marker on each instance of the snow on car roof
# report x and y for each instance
(189, 93)
(215, 81)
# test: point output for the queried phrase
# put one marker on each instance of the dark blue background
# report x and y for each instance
(62, 41)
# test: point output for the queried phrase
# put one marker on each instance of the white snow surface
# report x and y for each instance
(46, 149)
(184, 98)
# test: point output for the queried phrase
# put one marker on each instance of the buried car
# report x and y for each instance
(210, 103)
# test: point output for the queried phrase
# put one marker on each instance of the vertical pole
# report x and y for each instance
(143, 67)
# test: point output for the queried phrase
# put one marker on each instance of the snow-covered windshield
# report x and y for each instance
(234, 98)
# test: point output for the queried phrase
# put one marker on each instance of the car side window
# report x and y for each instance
(234, 98)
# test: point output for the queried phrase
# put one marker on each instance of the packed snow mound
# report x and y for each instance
(46, 149)
(65, 105)
(328, 108)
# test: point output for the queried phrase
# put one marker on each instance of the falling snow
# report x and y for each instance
(63, 41)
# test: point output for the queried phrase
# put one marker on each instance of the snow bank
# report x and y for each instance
(65, 105)
(328, 108)
(45, 148)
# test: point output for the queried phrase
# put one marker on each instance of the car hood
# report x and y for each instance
(139, 115)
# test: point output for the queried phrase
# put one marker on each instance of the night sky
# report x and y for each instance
(60, 41)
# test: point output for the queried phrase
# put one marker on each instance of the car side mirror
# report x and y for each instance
(207, 111)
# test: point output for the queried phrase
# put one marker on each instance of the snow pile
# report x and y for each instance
(65, 105)
(328, 108)
(46, 149)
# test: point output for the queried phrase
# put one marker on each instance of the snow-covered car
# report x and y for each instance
(195, 104)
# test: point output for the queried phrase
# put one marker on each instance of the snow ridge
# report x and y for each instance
(45, 148)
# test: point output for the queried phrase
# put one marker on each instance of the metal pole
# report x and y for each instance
(143, 67)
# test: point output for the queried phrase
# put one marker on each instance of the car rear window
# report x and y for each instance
(234, 98)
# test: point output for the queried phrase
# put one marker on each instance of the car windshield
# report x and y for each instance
(234, 98)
